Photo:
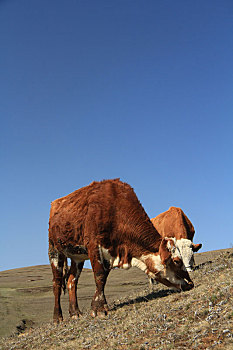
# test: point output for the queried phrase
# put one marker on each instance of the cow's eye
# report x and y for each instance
(173, 250)
(177, 262)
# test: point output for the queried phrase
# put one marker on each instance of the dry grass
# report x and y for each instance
(160, 319)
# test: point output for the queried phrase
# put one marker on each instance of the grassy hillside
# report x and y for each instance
(139, 318)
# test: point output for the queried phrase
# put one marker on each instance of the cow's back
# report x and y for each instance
(67, 215)
(111, 205)
(174, 223)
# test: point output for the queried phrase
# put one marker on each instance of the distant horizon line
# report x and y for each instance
(87, 268)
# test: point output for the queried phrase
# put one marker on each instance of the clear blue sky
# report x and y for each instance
(92, 90)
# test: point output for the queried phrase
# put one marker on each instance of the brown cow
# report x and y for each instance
(174, 223)
(105, 222)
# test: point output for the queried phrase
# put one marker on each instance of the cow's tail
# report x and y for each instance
(65, 275)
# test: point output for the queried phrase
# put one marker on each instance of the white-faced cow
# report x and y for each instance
(105, 222)
(174, 223)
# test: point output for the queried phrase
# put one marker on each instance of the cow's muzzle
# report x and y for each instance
(187, 285)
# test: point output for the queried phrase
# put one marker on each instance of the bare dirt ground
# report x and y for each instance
(139, 318)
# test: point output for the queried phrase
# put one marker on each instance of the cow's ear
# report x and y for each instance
(196, 247)
(164, 252)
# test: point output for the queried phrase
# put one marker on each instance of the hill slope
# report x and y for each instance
(140, 319)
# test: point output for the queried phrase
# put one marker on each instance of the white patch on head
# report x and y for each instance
(185, 248)
(174, 249)
(169, 245)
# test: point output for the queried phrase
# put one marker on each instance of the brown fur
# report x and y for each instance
(164, 252)
(174, 223)
(105, 214)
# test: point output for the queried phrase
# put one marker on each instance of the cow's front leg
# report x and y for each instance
(74, 273)
(99, 304)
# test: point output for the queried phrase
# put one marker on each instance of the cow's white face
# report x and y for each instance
(185, 247)
(174, 270)
(167, 266)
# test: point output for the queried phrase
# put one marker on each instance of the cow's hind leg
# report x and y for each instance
(57, 262)
(74, 273)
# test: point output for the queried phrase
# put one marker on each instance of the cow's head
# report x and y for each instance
(169, 268)
(187, 248)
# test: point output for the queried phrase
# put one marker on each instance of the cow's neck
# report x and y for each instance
(149, 263)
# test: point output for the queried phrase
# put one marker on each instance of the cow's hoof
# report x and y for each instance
(99, 313)
(75, 314)
(102, 314)
(106, 308)
(93, 313)
(76, 317)
(57, 320)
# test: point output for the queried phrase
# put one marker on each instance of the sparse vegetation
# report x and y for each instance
(201, 318)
